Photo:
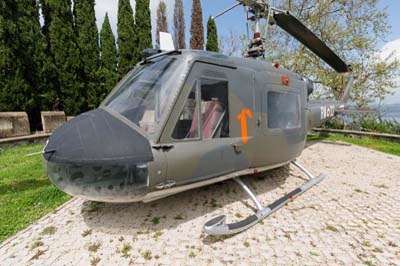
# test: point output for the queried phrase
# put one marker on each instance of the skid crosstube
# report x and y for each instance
(217, 225)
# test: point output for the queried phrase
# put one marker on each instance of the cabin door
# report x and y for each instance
(198, 129)
(282, 123)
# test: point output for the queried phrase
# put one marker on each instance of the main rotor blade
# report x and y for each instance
(294, 27)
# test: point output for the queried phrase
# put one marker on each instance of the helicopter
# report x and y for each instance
(183, 119)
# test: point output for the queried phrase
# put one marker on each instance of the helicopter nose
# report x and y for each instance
(99, 156)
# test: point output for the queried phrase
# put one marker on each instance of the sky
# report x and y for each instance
(234, 21)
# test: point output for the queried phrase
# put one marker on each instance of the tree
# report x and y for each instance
(14, 89)
(232, 44)
(196, 28)
(66, 57)
(127, 41)
(25, 69)
(162, 24)
(351, 28)
(143, 26)
(107, 46)
(107, 72)
(212, 36)
(179, 25)
(88, 43)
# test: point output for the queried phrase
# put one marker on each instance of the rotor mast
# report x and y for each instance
(255, 11)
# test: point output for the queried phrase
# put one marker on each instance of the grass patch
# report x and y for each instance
(38, 253)
(125, 250)
(157, 235)
(36, 244)
(25, 192)
(332, 228)
(192, 255)
(50, 230)
(147, 255)
(155, 220)
(86, 232)
(94, 261)
(366, 243)
(93, 247)
(375, 144)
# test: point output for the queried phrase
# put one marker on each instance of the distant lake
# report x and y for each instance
(390, 111)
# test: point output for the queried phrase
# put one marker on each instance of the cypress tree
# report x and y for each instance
(88, 42)
(25, 70)
(14, 89)
(107, 73)
(66, 56)
(162, 24)
(179, 25)
(127, 41)
(107, 46)
(143, 27)
(212, 36)
(196, 28)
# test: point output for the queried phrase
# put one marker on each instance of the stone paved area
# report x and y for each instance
(351, 218)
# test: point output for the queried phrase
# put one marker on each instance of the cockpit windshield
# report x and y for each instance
(144, 97)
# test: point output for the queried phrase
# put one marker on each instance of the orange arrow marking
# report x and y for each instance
(243, 122)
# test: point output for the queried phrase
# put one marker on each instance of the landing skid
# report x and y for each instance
(217, 225)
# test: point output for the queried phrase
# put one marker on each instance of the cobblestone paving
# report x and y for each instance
(351, 218)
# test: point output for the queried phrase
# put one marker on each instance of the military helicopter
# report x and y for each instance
(183, 119)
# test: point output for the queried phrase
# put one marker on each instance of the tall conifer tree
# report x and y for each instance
(25, 71)
(14, 89)
(162, 24)
(107, 73)
(179, 25)
(66, 56)
(88, 42)
(212, 36)
(143, 26)
(127, 39)
(196, 28)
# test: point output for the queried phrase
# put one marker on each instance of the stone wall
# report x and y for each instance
(52, 120)
(14, 124)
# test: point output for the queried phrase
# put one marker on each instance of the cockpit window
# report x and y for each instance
(144, 97)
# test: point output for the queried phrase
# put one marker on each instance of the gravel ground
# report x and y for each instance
(351, 218)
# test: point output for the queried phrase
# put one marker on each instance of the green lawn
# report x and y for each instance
(25, 192)
(375, 144)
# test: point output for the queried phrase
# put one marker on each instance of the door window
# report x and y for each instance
(214, 109)
(187, 126)
(205, 109)
(283, 110)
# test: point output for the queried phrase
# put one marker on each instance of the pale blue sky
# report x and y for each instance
(233, 20)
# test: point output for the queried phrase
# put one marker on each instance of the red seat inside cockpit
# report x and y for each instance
(213, 113)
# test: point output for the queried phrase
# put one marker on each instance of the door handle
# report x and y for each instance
(163, 147)
(237, 147)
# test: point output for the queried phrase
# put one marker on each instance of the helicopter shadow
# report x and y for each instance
(170, 212)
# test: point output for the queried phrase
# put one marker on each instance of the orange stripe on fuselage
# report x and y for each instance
(243, 123)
